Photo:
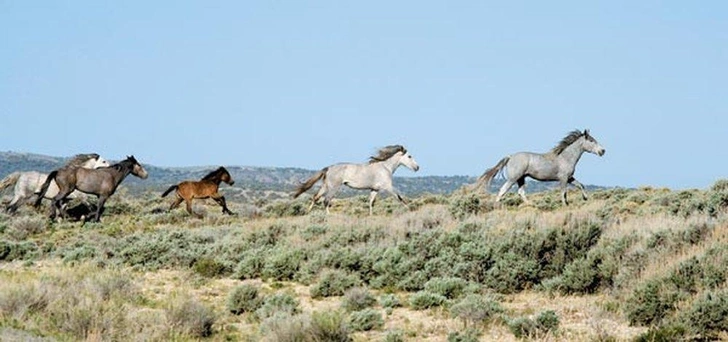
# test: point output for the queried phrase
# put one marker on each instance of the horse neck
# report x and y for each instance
(573, 152)
(392, 163)
(121, 174)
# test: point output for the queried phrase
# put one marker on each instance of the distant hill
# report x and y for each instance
(251, 182)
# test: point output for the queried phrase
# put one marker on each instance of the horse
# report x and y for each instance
(28, 183)
(204, 188)
(101, 182)
(375, 176)
(558, 164)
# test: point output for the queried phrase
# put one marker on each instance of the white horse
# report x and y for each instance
(28, 183)
(558, 164)
(374, 176)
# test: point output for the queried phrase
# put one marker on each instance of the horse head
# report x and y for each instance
(591, 145)
(100, 162)
(137, 169)
(409, 161)
(226, 177)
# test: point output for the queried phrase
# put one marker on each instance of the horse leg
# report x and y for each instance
(372, 197)
(573, 180)
(221, 201)
(330, 196)
(176, 203)
(522, 189)
(503, 190)
(319, 194)
(100, 209)
(14, 204)
(563, 185)
(188, 204)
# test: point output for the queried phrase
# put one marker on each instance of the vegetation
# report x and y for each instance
(645, 264)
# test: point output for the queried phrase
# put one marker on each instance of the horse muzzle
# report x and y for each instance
(602, 152)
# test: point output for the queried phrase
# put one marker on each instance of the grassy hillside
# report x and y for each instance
(644, 264)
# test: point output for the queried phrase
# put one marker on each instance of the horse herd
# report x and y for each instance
(91, 174)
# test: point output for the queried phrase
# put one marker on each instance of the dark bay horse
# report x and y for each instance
(374, 176)
(204, 188)
(558, 164)
(101, 182)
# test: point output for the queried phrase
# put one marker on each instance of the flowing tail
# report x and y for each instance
(9, 180)
(310, 182)
(489, 174)
(171, 188)
(44, 188)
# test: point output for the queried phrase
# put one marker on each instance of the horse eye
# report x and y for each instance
(410, 157)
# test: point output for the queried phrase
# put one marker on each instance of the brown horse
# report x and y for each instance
(204, 188)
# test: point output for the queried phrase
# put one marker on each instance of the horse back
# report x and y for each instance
(197, 189)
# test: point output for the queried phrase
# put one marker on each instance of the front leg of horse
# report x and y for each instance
(223, 203)
(563, 194)
(100, 209)
(573, 180)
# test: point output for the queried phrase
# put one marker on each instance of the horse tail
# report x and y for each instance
(9, 180)
(310, 182)
(44, 188)
(171, 188)
(489, 174)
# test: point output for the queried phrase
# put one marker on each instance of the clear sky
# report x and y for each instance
(310, 83)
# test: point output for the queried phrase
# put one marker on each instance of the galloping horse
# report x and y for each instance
(204, 188)
(100, 182)
(28, 183)
(374, 176)
(557, 165)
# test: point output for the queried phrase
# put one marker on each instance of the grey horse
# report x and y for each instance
(374, 176)
(100, 182)
(28, 183)
(558, 164)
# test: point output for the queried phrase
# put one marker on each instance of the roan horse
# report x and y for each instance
(204, 188)
(28, 183)
(100, 182)
(556, 165)
(374, 176)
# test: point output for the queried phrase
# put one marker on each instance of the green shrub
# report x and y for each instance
(545, 322)
(278, 304)
(23, 227)
(191, 317)
(512, 273)
(210, 268)
(334, 283)
(662, 333)
(649, 304)
(283, 264)
(358, 298)
(462, 207)
(476, 309)
(251, 263)
(394, 336)
(468, 335)
(329, 326)
(449, 287)
(708, 315)
(10, 251)
(244, 298)
(424, 300)
(389, 301)
(365, 320)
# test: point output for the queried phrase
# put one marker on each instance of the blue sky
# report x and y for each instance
(307, 84)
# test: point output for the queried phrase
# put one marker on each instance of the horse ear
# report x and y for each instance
(586, 132)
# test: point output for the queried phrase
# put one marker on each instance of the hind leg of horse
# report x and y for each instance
(330, 196)
(319, 194)
(372, 198)
(176, 203)
(100, 209)
(188, 206)
(573, 180)
(509, 183)
(522, 189)
(14, 204)
(57, 205)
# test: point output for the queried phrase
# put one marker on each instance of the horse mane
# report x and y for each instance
(214, 174)
(566, 141)
(126, 163)
(80, 159)
(387, 152)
